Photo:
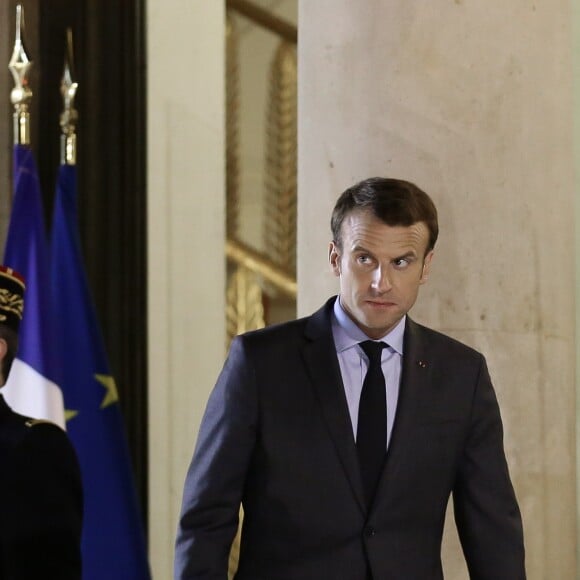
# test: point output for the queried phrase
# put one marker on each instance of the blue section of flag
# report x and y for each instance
(27, 252)
(113, 540)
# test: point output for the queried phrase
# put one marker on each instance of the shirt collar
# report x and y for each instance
(347, 334)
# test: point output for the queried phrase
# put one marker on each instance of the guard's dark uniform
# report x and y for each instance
(40, 500)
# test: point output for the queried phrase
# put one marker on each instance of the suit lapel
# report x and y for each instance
(321, 362)
(415, 382)
(322, 365)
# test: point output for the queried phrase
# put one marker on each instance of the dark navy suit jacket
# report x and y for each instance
(277, 437)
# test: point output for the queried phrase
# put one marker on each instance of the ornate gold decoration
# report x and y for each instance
(21, 94)
(281, 200)
(11, 302)
(249, 269)
(265, 18)
(34, 422)
(244, 308)
(259, 263)
(235, 550)
(69, 116)
(232, 128)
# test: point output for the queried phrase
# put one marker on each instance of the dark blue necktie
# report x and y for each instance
(371, 435)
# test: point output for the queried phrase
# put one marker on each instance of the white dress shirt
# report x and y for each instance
(354, 363)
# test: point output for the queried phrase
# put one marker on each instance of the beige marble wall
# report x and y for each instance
(576, 68)
(186, 264)
(472, 100)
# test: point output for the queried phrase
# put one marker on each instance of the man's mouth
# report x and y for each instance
(380, 303)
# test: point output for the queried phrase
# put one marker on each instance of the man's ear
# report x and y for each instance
(334, 258)
(426, 267)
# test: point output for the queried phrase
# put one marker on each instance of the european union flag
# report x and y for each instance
(113, 545)
(32, 387)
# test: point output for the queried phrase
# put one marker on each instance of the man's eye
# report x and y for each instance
(401, 263)
(363, 259)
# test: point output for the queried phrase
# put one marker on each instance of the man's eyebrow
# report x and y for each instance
(411, 254)
(359, 248)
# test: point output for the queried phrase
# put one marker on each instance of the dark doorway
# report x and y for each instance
(109, 49)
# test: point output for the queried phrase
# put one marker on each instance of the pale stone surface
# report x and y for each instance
(186, 180)
(473, 101)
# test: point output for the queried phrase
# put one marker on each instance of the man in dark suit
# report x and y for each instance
(343, 434)
(40, 484)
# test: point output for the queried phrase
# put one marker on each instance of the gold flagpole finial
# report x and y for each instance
(69, 116)
(21, 94)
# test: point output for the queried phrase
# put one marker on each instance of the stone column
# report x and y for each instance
(473, 101)
(186, 262)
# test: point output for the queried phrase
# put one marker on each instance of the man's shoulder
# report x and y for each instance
(438, 340)
(12, 427)
(276, 332)
(284, 333)
(16, 428)
(33, 448)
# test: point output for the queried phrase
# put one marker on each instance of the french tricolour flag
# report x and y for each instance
(33, 385)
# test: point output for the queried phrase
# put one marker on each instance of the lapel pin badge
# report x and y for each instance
(422, 364)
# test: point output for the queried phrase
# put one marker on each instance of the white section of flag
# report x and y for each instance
(29, 393)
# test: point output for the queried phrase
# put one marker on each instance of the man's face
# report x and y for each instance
(380, 268)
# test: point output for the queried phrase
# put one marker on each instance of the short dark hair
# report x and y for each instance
(11, 338)
(394, 201)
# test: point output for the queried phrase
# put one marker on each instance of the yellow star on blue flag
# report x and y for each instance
(70, 414)
(112, 396)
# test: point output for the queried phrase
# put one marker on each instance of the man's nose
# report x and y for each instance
(381, 281)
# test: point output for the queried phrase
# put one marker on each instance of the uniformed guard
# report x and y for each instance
(40, 483)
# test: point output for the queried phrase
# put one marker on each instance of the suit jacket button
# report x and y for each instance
(370, 532)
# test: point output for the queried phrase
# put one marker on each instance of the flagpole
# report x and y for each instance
(69, 116)
(21, 94)
(32, 388)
